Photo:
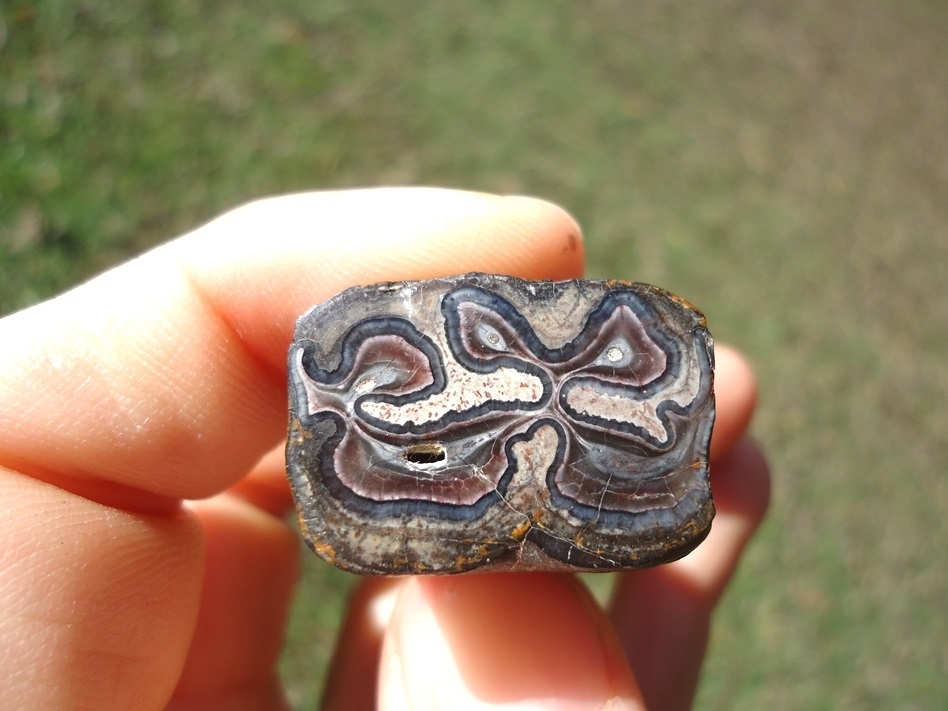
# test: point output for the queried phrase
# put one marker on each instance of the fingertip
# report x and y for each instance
(735, 387)
(326, 241)
(320, 243)
(488, 640)
(559, 252)
(742, 484)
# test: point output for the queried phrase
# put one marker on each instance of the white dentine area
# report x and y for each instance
(464, 390)
(641, 413)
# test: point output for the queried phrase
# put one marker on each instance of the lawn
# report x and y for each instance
(783, 166)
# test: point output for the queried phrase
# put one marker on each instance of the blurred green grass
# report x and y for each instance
(784, 166)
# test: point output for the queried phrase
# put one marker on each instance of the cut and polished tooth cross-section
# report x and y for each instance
(485, 422)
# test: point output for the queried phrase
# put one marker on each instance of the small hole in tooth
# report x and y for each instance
(614, 354)
(430, 453)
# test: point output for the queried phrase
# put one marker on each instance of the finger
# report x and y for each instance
(252, 568)
(265, 487)
(140, 382)
(663, 615)
(167, 375)
(741, 486)
(81, 589)
(297, 250)
(352, 676)
(735, 398)
(488, 641)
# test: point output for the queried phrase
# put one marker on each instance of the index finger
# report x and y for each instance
(166, 375)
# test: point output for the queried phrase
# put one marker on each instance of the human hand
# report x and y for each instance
(163, 381)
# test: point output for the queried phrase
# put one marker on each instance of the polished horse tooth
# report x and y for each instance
(485, 422)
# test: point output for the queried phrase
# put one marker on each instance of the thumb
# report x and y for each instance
(502, 641)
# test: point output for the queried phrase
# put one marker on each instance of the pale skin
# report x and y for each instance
(163, 381)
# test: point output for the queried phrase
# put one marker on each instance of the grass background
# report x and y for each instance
(782, 165)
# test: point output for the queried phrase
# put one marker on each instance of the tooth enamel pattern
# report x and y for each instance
(485, 422)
